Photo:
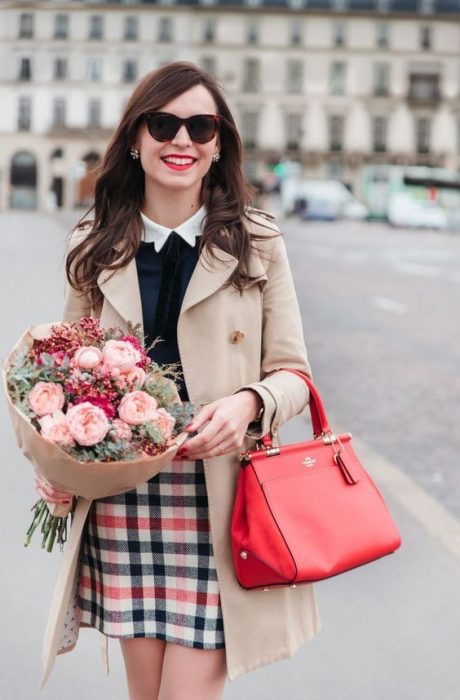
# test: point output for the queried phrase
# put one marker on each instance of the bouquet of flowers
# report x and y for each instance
(92, 412)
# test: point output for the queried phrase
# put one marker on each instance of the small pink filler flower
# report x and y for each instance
(137, 407)
(46, 397)
(87, 423)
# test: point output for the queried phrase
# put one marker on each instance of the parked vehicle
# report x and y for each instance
(425, 191)
(322, 200)
(405, 211)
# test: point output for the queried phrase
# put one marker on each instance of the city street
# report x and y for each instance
(380, 309)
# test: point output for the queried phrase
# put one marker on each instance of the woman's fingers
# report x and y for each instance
(50, 494)
(198, 450)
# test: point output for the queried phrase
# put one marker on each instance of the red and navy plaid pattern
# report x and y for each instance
(147, 563)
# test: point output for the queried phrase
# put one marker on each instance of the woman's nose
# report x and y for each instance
(182, 137)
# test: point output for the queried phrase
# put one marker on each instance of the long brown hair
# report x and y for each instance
(115, 231)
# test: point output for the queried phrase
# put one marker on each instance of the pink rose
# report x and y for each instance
(46, 397)
(87, 357)
(137, 407)
(120, 355)
(164, 421)
(55, 429)
(87, 423)
(136, 376)
(121, 429)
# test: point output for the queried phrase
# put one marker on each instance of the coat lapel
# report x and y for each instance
(121, 288)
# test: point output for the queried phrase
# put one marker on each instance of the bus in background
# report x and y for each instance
(413, 196)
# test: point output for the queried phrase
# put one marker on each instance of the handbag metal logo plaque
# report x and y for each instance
(308, 462)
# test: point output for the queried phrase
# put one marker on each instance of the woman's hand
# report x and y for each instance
(50, 494)
(227, 422)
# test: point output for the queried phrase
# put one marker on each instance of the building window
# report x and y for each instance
(94, 69)
(294, 80)
(59, 111)
(426, 38)
(165, 29)
(25, 69)
(295, 33)
(422, 133)
(252, 32)
(424, 88)
(293, 131)
(61, 26)
(339, 34)
(336, 129)
(131, 29)
(251, 76)
(381, 79)
(337, 78)
(60, 68)
(95, 27)
(249, 128)
(129, 71)
(94, 112)
(26, 25)
(209, 30)
(24, 113)
(383, 35)
(379, 134)
(208, 64)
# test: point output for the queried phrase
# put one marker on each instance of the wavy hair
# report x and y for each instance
(115, 230)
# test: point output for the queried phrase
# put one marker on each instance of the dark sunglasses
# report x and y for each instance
(164, 126)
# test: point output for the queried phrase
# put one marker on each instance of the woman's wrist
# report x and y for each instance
(257, 405)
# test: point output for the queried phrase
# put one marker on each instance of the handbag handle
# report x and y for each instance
(317, 410)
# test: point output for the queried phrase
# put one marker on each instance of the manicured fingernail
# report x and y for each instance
(66, 502)
(187, 427)
(181, 452)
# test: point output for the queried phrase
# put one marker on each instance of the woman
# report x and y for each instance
(175, 245)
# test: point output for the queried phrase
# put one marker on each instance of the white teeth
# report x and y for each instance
(179, 161)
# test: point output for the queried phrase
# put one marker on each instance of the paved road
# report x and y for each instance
(390, 630)
(382, 324)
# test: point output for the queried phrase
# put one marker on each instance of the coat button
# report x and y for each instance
(236, 336)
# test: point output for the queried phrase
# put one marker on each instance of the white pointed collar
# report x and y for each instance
(188, 230)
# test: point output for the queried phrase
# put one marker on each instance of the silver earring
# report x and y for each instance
(134, 153)
(215, 157)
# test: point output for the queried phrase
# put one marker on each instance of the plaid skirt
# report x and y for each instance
(147, 562)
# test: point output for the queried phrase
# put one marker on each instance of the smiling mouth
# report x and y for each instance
(179, 162)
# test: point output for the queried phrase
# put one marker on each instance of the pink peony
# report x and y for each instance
(46, 397)
(137, 407)
(87, 357)
(87, 423)
(136, 376)
(120, 355)
(55, 429)
(101, 401)
(164, 421)
(121, 429)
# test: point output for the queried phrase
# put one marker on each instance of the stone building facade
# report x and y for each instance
(329, 84)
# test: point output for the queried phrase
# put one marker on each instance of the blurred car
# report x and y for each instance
(406, 211)
(327, 200)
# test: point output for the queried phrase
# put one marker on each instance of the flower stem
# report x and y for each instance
(40, 509)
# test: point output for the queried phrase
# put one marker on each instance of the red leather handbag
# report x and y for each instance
(307, 511)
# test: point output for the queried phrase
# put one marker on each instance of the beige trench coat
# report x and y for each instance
(226, 342)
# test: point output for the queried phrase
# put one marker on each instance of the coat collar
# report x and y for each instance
(121, 288)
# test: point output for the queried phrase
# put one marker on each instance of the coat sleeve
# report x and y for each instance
(284, 394)
(76, 304)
